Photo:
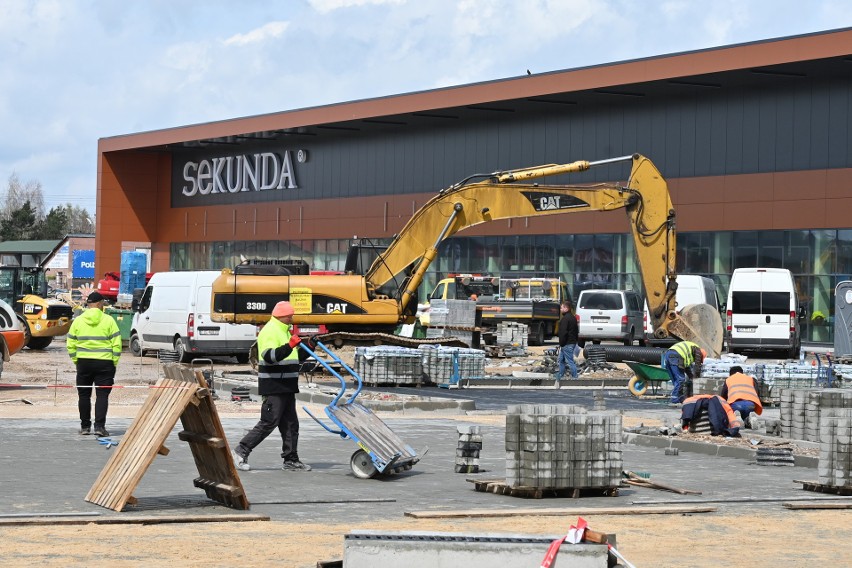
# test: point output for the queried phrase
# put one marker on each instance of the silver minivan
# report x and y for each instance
(611, 315)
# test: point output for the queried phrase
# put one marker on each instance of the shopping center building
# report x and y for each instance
(754, 140)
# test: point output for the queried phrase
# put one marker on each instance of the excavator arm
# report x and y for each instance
(512, 194)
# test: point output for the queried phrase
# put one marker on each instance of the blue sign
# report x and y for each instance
(84, 264)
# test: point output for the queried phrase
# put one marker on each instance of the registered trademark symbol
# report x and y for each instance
(302, 156)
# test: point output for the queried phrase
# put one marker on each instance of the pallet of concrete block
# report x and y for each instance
(513, 338)
(801, 410)
(452, 313)
(560, 450)
(467, 451)
(437, 363)
(389, 366)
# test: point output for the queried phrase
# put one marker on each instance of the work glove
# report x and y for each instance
(312, 342)
(294, 341)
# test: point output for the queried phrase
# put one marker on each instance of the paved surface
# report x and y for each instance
(49, 468)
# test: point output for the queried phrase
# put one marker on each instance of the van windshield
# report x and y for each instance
(776, 303)
(601, 301)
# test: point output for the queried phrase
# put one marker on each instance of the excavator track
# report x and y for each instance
(341, 338)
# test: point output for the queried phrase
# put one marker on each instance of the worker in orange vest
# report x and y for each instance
(723, 420)
(742, 393)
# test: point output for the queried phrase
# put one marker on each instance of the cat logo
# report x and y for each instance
(553, 202)
(332, 308)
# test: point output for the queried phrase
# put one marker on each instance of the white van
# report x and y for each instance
(763, 311)
(174, 314)
(691, 289)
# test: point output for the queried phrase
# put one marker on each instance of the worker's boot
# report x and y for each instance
(241, 461)
(101, 432)
(295, 465)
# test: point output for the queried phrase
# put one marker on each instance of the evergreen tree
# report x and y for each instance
(54, 225)
(20, 225)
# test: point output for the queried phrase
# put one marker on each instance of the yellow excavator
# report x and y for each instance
(373, 305)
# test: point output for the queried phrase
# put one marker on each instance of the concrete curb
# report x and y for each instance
(719, 450)
(414, 405)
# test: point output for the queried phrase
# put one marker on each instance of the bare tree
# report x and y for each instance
(19, 193)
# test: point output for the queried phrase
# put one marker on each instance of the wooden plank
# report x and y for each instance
(137, 520)
(817, 505)
(152, 436)
(558, 512)
(119, 460)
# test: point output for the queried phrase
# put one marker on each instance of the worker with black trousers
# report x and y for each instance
(277, 383)
(568, 334)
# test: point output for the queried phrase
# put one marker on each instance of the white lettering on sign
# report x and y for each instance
(549, 202)
(331, 307)
(84, 264)
(233, 174)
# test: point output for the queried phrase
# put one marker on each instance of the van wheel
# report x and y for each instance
(242, 358)
(135, 345)
(628, 341)
(180, 349)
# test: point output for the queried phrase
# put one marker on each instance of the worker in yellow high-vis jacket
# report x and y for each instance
(94, 344)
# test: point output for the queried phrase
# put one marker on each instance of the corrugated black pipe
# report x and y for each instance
(621, 353)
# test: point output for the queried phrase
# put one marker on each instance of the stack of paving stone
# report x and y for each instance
(801, 410)
(386, 365)
(835, 448)
(467, 453)
(562, 447)
(452, 318)
(437, 363)
(512, 337)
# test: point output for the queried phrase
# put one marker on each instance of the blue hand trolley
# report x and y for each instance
(380, 451)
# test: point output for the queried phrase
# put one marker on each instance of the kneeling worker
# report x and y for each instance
(742, 393)
(681, 361)
(277, 384)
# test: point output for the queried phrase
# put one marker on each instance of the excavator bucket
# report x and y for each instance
(701, 324)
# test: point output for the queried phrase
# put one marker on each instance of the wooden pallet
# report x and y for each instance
(181, 394)
(822, 488)
(500, 487)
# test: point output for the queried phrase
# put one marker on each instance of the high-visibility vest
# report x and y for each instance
(276, 376)
(741, 387)
(94, 335)
(684, 349)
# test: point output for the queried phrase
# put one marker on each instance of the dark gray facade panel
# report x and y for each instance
(838, 126)
(767, 121)
(736, 132)
(819, 129)
(673, 147)
(799, 126)
(784, 134)
(718, 138)
(802, 120)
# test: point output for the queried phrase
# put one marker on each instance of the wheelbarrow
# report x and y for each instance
(645, 376)
(380, 451)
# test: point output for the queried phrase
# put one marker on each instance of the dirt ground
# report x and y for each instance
(769, 538)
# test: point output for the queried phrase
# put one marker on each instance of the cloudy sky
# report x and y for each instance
(74, 71)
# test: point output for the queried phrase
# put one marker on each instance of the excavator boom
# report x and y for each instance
(388, 289)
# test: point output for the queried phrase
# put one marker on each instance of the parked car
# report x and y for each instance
(610, 315)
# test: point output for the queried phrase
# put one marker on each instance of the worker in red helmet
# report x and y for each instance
(279, 360)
